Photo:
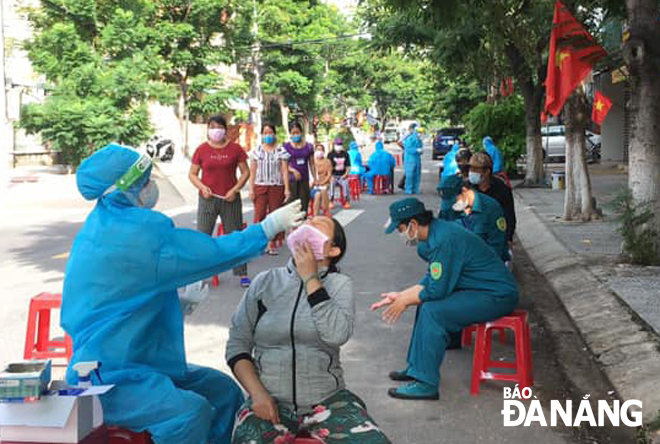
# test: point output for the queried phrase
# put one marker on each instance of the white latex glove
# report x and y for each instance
(288, 216)
(191, 295)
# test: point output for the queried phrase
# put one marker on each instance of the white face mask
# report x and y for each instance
(459, 205)
(339, 148)
(474, 178)
(407, 239)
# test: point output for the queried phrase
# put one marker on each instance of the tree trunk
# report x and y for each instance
(534, 163)
(182, 115)
(578, 201)
(284, 110)
(643, 59)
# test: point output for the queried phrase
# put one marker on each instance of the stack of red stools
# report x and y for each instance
(355, 186)
(381, 184)
(38, 344)
(518, 322)
(214, 280)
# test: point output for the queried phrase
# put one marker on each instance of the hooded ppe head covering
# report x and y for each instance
(105, 172)
(353, 146)
(495, 155)
(380, 146)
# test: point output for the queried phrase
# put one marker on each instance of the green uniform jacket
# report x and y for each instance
(460, 261)
(488, 222)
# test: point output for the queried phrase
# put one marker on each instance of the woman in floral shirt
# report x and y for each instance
(284, 346)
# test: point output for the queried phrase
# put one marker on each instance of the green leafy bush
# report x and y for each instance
(504, 122)
(639, 239)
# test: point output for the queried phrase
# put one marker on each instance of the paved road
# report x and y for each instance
(35, 229)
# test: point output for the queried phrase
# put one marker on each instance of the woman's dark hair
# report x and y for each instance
(338, 240)
(268, 125)
(424, 219)
(219, 120)
(295, 125)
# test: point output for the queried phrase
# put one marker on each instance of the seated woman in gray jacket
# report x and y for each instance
(284, 345)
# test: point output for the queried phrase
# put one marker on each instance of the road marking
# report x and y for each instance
(345, 217)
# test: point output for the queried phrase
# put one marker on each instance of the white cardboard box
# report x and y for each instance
(62, 419)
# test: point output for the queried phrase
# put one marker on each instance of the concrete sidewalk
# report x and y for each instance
(615, 306)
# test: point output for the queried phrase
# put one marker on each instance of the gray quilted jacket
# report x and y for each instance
(294, 338)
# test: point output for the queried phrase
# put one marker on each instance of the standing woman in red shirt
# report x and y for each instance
(219, 189)
(269, 177)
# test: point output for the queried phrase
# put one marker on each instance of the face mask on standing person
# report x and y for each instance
(410, 241)
(269, 139)
(216, 134)
(296, 138)
(474, 178)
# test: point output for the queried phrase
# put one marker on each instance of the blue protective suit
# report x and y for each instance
(381, 163)
(412, 162)
(121, 308)
(356, 159)
(495, 154)
(465, 284)
(449, 165)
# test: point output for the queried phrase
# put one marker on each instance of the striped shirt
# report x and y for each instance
(269, 165)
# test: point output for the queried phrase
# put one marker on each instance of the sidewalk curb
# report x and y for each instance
(626, 351)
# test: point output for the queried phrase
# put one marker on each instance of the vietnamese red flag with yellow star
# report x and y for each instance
(602, 105)
(573, 53)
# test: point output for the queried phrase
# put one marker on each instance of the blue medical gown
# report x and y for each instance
(449, 165)
(121, 308)
(495, 154)
(412, 162)
(381, 163)
(356, 159)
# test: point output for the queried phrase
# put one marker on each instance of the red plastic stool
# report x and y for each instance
(466, 335)
(215, 281)
(38, 344)
(516, 321)
(381, 183)
(354, 186)
(118, 435)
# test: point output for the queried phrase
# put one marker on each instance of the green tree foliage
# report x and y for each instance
(504, 122)
(105, 59)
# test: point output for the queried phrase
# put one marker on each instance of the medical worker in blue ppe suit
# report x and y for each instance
(381, 163)
(449, 164)
(495, 154)
(412, 160)
(121, 308)
(464, 284)
(357, 168)
(476, 212)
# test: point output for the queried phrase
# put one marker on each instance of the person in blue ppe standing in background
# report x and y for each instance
(449, 164)
(476, 212)
(495, 154)
(357, 168)
(412, 160)
(381, 163)
(121, 308)
(464, 284)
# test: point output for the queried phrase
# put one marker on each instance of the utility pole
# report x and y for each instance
(5, 125)
(257, 99)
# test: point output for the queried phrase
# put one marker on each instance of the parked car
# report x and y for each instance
(554, 143)
(444, 140)
(390, 135)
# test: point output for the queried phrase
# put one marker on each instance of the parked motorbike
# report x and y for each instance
(160, 149)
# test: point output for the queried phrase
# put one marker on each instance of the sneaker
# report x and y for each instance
(347, 205)
(417, 390)
(245, 282)
(400, 376)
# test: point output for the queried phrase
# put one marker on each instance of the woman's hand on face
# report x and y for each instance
(305, 261)
(395, 310)
(206, 192)
(265, 407)
(386, 299)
